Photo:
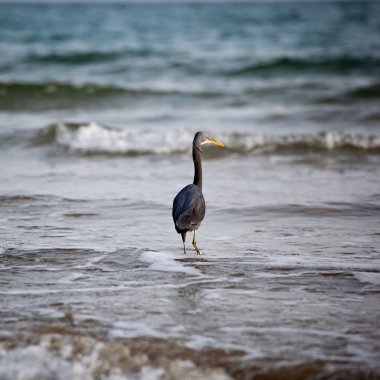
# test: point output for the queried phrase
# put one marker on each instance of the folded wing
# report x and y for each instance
(189, 209)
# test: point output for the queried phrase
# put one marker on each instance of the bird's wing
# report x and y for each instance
(188, 208)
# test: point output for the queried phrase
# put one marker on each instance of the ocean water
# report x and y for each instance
(98, 108)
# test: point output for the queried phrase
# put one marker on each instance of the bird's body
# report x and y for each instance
(189, 205)
(189, 209)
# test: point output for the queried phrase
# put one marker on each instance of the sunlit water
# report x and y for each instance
(94, 147)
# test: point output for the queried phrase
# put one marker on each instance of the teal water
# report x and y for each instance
(99, 104)
(256, 62)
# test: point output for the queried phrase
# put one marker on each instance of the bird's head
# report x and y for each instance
(202, 138)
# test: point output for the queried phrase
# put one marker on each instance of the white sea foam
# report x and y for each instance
(198, 342)
(95, 138)
(81, 358)
(325, 141)
(166, 262)
(37, 362)
(49, 313)
(72, 277)
(131, 330)
(368, 277)
(24, 292)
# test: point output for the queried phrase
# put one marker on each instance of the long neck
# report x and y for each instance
(197, 158)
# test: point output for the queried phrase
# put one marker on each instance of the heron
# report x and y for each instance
(189, 205)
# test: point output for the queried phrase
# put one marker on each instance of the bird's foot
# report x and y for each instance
(199, 252)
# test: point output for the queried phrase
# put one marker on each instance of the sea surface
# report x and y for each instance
(98, 108)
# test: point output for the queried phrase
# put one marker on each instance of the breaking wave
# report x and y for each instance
(302, 143)
(93, 138)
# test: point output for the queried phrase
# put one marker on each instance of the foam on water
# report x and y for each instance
(81, 358)
(23, 292)
(93, 138)
(72, 277)
(368, 277)
(48, 313)
(132, 330)
(167, 262)
(328, 140)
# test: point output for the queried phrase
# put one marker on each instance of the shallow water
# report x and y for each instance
(94, 145)
(284, 286)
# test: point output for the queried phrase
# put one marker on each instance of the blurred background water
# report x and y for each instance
(98, 107)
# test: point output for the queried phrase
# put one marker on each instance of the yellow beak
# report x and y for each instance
(212, 141)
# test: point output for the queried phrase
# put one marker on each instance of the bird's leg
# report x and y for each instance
(183, 235)
(199, 253)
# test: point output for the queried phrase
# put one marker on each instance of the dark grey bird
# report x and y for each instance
(189, 205)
